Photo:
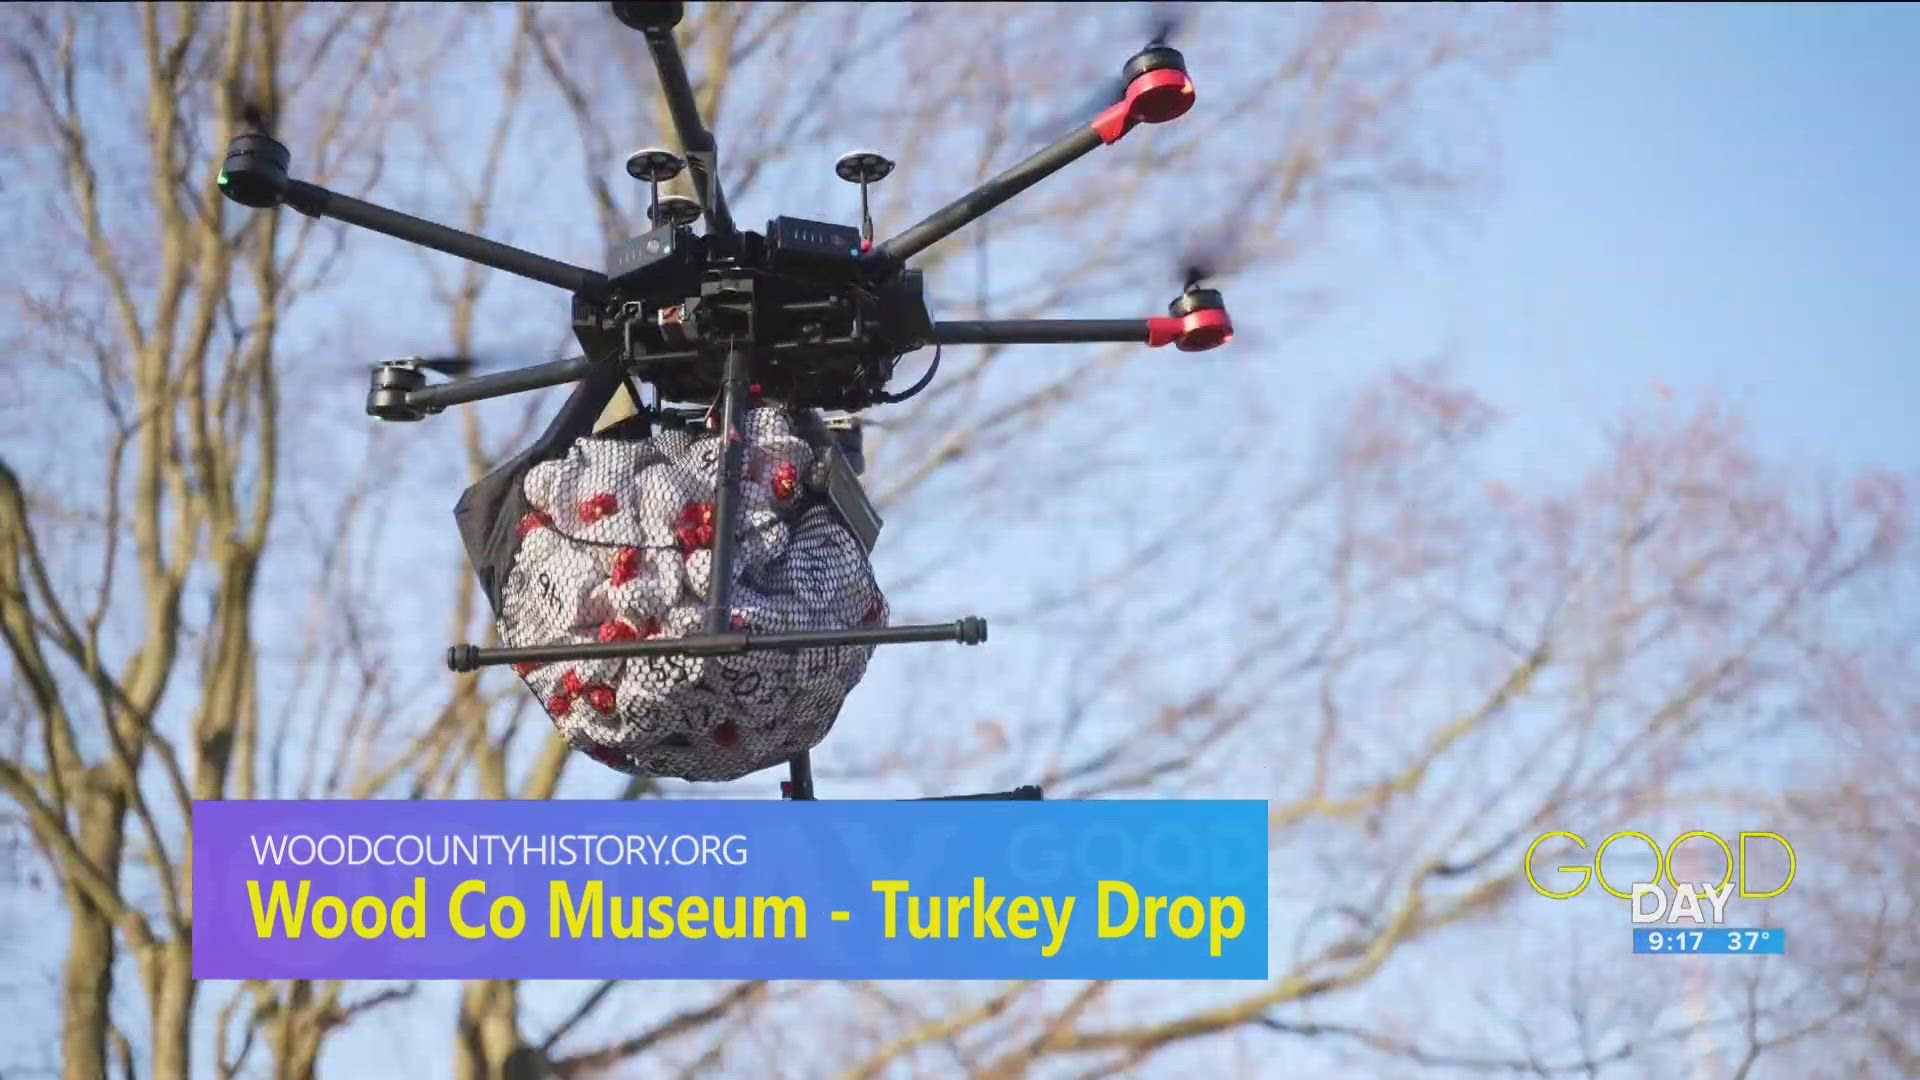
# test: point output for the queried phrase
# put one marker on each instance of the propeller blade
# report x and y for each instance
(1204, 269)
(1165, 22)
(250, 110)
(1223, 246)
(1220, 252)
(1168, 21)
(451, 366)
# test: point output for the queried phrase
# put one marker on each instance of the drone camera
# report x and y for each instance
(255, 172)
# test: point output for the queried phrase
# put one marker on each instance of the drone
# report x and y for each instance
(813, 315)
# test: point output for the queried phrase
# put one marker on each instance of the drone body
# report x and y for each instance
(805, 316)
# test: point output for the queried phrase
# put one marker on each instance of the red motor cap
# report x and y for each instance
(1204, 329)
(1196, 331)
(1159, 96)
(1153, 97)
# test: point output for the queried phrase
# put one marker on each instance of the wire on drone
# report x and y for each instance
(933, 368)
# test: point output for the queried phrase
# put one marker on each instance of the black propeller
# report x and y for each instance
(452, 367)
(1220, 251)
(1198, 269)
(493, 354)
(252, 113)
(1165, 21)
(1193, 274)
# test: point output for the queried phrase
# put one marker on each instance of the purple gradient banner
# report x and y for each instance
(671, 889)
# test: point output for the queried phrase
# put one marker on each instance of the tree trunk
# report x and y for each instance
(87, 983)
(489, 1045)
(295, 1033)
(172, 1010)
(300, 1059)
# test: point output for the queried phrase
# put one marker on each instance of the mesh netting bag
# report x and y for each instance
(590, 538)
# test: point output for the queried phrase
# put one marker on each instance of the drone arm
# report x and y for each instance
(1156, 95)
(698, 142)
(1042, 331)
(975, 204)
(517, 381)
(316, 201)
(1196, 331)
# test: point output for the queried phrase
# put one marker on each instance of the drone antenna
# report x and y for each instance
(655, 166)
(863, 167)
(656, 22)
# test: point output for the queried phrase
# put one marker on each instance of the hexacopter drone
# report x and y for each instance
(687, 590)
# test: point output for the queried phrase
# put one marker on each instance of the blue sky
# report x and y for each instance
(1722, 198)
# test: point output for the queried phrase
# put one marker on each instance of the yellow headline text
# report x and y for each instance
(590, 910)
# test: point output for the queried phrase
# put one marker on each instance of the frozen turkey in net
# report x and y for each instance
(642, 585)
(776, 471)
(593, 494)
(582, 539)
(670, 497)
(763, 537)
(551, 591)
(815, 572)
(699, 567)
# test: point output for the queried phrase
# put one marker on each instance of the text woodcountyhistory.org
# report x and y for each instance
(497, 849)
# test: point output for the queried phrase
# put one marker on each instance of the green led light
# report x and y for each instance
(223, 180)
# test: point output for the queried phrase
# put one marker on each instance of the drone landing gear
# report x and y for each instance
(799, 783)
(799, 787)
(1026, 793)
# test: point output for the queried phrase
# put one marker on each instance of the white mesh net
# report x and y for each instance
(617, 548)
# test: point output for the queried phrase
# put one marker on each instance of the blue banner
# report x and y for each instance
(1718, 941)
(671, 889)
